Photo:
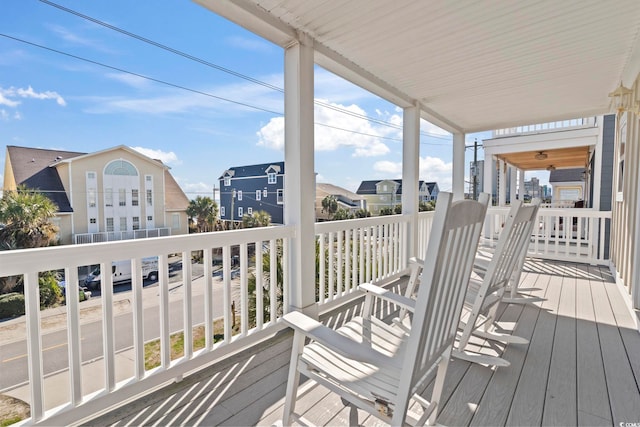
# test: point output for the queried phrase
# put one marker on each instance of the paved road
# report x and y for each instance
(13, 359)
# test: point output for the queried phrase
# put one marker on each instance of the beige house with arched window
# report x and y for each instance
(113, 194)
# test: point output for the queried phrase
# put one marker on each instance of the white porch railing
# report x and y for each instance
(547, 127)
(112, 236)
(360, 250)
(349, 252)
(561, 233)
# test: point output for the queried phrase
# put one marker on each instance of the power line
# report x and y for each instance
(221, 68)
(142, 76)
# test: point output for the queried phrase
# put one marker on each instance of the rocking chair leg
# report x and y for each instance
(438, 387)
(293, 380)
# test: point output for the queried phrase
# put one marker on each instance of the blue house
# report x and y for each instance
(248, 189)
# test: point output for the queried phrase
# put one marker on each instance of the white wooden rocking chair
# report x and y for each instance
(488, 285)
(380, 367)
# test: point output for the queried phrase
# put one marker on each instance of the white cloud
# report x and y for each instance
(129, 79)
(432, 169)
(272, 134)
(10, 98)
(30, 93)
(6, 101)
(169, 158)
(180, 101)
(195, 189)
(335, 129)
(245, 43)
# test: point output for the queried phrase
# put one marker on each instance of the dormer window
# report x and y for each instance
(227, 181)
(271, 178)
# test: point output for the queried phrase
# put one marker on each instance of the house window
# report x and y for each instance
(92, 197)
(249, 211)
(175, 220)
(109, 224)
(134, 197)
(264, 193)
(108, 197)
(149, 218)
(227, 181)
(136, 222)
(148, 178)
(280, 197)
(271, 178)
(122, 197)
(123, 223)
(239, 195)
(240, 212)
(222, 213)
(91, 175)
(258, 195)
(92, 221)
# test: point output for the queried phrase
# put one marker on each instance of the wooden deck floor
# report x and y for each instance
(581, 367)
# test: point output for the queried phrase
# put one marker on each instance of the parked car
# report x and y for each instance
(121, 272)
(84, 292)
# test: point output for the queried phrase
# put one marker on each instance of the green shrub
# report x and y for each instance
(11, 305)
(50, 292)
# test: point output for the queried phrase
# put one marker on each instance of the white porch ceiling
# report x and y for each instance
(472, 65)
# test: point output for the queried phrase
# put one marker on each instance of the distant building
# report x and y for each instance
(568, 185)
(247, 189)
(387, 193)
(113, 194)
(346, 199)
(533, 189)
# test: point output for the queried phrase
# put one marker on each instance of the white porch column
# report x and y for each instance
(513, 184)
(299, 186)
(458, 166)
(521, 189)
(410, 173)
(488, 172)
(502, 183)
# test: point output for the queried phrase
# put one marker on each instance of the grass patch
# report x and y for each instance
(152, 358)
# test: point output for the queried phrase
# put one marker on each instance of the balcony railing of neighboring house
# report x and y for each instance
(349, 252)
(547, 127)
(112, 236)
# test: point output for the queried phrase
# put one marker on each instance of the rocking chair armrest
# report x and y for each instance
(347, 347)
(382, 293)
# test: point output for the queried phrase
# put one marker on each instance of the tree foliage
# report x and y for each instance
(256, 219)
(342, 214)
(427, 206)
(330, 205)
(363, 213)
(25, 220)
(203, 211)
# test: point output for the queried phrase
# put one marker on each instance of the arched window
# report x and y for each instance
(120, 167)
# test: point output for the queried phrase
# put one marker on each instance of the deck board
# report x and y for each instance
(581, 367)
(560, 405)
(592, 397)
(496, 402)
(529, 396)
(621, 383)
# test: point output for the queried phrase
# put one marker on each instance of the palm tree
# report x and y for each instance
(25, 222)
(329, 205)
(25, 216)
(204, 211)
(256, 219)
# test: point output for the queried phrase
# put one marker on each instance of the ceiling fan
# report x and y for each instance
(541, 155)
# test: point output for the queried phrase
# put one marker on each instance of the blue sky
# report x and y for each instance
(52, 100)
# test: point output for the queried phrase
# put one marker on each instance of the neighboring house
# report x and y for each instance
(567, 186)
(346, 200)
(113, 194)
(387, 193)
(247, 189)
